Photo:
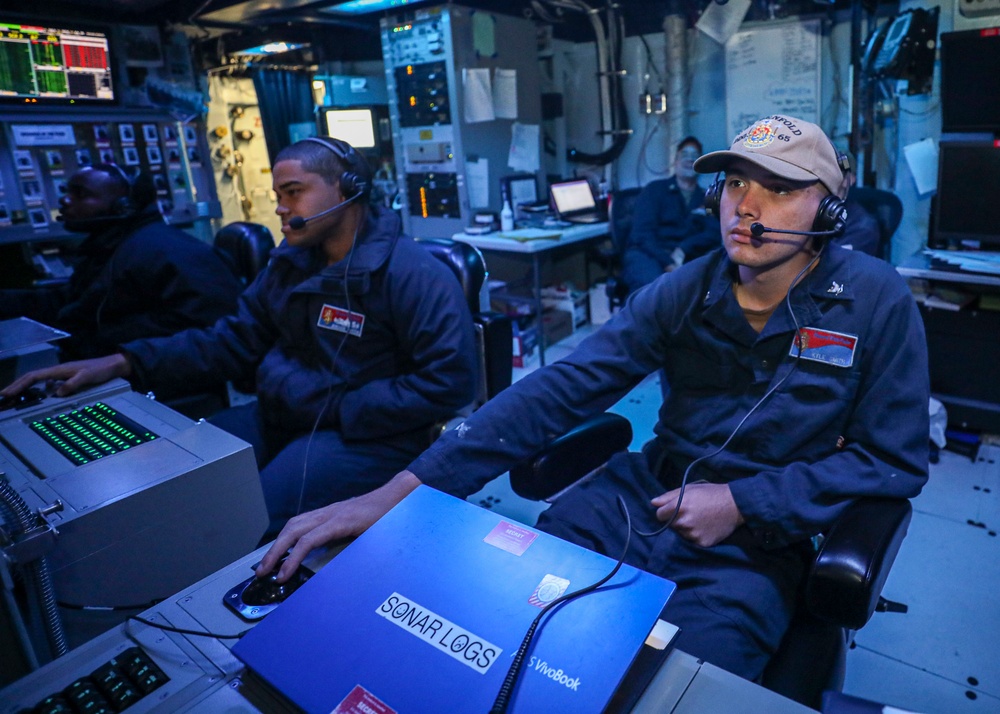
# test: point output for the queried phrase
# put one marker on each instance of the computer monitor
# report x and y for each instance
(521, 189)
(355, 126)
(967, 170)
(970, 80)
(45, 64)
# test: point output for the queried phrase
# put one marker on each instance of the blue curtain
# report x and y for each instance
(284, 97)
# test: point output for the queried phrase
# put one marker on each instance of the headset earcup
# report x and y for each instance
(713, 197)
(352, 182)
(122, 207)
(831, 214)
(349, 184)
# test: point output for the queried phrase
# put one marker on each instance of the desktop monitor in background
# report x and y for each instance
(970, 81)
(355, 126)
(42, 64)
(521, 189)
(967, 170)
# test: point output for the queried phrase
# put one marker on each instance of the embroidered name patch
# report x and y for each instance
(834, 348)
(338, 319)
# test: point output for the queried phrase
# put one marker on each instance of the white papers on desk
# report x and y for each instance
(505, 94)
(922, 158)
(973, 261)
(478, 95)
(523, 154)
(525, 234)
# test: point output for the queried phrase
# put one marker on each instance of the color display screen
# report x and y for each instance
(50, 65)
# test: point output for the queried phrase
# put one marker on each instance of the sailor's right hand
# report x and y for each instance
(71, 377)
(344, 519)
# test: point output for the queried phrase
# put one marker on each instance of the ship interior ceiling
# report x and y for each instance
(350, 37)
(166, 523)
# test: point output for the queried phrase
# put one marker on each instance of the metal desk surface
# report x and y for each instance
(534, 248)
(567, 236)
(206, 677)
(920, 265)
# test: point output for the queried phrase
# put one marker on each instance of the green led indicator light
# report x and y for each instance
(91, 433)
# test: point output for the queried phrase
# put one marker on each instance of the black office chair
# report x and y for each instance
(245, 247)
(841, 590)
(609, 255)
(887, 210)
(494, 331)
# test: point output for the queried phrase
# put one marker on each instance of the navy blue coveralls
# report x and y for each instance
(138, 278)
(369, 363)
(827, 435)
(661, 222)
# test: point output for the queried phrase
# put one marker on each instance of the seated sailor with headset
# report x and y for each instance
(767, 437)
(361, 340)
(136, 277)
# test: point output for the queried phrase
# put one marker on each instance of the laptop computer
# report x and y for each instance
(574, 202)
(424, 612)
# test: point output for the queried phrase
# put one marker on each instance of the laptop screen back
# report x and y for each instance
(573, 197)
(423, 612)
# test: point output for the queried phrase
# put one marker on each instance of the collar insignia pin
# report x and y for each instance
(835, 288)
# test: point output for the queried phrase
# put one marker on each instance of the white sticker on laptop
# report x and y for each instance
(449, 638)
(551, 587)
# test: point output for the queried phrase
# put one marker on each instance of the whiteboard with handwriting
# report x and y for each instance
(773, 68)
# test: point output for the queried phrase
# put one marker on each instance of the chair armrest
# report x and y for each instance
(496, 332)
(570, 457)
(851, 567)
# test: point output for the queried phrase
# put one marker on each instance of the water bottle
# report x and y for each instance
(506, 216)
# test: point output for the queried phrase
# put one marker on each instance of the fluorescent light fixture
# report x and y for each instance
(271, 48)
(362, 7)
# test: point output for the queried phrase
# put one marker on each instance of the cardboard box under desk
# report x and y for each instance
(557, 325)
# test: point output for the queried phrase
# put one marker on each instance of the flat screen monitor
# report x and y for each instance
(520, 189)
(965, 210)
(355, 126)
(970, 80)
(42, 64)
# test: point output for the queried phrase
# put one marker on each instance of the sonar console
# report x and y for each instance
(138, 501)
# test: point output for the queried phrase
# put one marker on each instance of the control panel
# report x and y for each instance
(141, 499)
(39, 154)
(452, 139)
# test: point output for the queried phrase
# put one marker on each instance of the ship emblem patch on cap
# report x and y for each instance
(760, 135)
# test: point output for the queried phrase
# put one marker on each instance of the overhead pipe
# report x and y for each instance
(678, 86)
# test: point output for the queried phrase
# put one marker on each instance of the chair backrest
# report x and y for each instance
(885, 207)
(465, 261)
(494, 331)
(246, 247)
(620, 216)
